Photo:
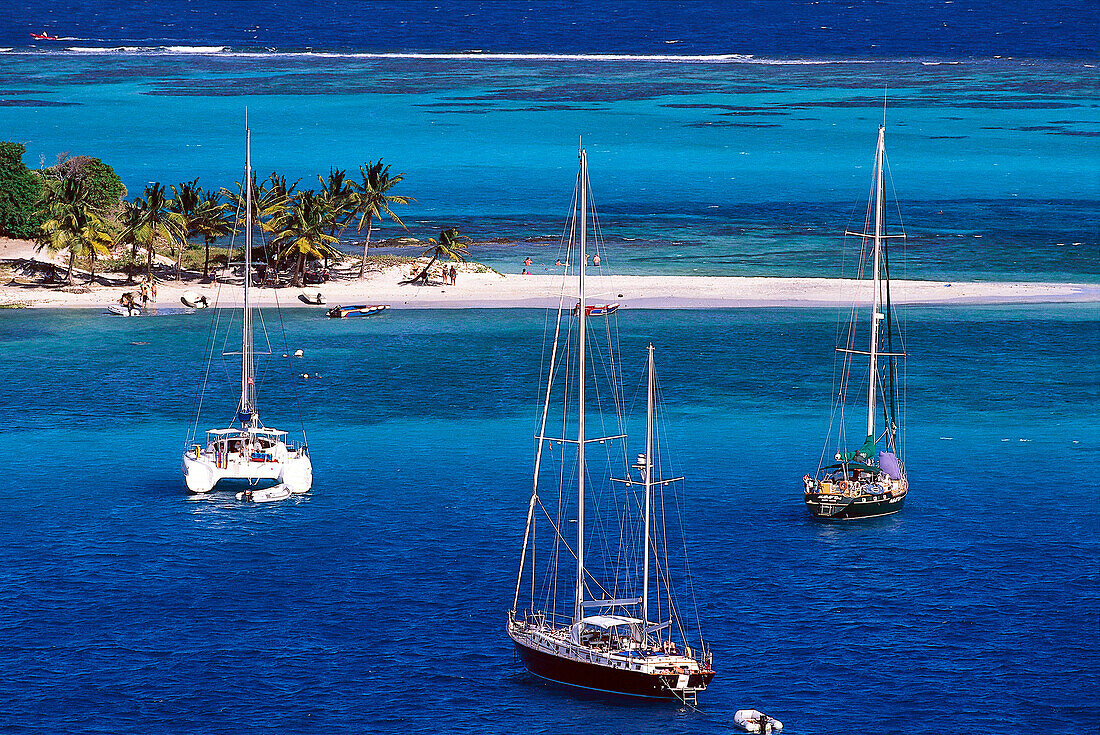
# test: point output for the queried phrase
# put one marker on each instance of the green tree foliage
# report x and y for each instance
(151, 220)
(20, 194)
(450, 246)
(72, 224)
(185, 201)
(304, 230)
(370, 200)
(104, 187)
(212, 222)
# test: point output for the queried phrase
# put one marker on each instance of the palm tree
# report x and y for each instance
(336, 191)
(304, 231)
(370, 200)
(156, 222)
(60, 200)
(450, 245)
(73, 224)
(185, 202)
(269, 201)
(129, 232)
(96, 235)
(212, 222)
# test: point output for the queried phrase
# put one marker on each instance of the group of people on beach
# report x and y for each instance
(450, 274)
(147, 291)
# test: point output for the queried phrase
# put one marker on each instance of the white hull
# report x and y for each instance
(265, 494)
(751, 720)
(204, 472)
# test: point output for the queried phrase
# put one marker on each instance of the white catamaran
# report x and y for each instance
(618, 626)
(272, 466)
(871, 480)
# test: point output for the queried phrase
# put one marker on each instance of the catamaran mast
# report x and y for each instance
(876, 301)
(578, 611)
(648, 469)
(248, 379)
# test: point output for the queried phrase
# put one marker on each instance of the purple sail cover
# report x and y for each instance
(888, 463)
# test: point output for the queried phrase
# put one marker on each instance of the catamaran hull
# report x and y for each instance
(604, 678)
(201, 475)
(839, 508)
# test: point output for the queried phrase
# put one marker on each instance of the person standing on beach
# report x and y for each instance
(596, 260)
(453, 274)
(153, 290)
(143, 291)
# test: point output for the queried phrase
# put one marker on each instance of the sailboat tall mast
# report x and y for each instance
(582, 338)
(248, 380)
(876, 301)
(648, 469)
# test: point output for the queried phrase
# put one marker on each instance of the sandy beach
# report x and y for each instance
(488, 289)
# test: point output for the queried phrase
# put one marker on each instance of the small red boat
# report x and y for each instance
(45, 36)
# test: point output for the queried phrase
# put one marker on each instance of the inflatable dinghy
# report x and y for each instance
(120, 310)
(194, 300)
(265, 494)
(314, 299)
(343, 312)
(752, 720)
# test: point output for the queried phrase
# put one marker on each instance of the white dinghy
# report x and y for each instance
(248, 450)
(265, 494)
(753, 720)
(194, 300)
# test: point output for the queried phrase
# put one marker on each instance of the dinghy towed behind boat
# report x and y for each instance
(870, 481)
(248, 450)
(608, 630)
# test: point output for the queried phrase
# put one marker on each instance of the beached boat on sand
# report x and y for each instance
(597, 309)
(265, 458)
(869, 481)
(604, 627)
(345, 312)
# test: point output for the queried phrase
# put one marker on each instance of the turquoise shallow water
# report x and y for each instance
(709, 167)
(377, 602)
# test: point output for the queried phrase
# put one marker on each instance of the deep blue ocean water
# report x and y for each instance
(377, 602)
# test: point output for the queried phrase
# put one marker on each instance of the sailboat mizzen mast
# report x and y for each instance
(876, 300)
(578, 612)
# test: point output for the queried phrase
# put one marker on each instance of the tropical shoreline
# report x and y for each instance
(475, 287)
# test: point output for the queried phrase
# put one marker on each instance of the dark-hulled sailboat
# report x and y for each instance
(869, 481)
(613, 624)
